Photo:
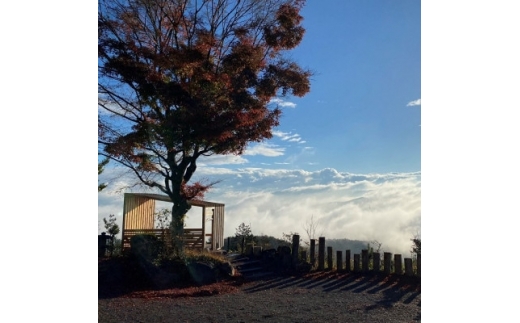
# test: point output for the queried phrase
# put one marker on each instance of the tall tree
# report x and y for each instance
(179, 79)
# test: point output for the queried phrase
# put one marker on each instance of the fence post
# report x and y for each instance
(376, 261)
(329, 258)
(356, 262)
(398, 263)
(388, 263)
(364, 260)
(102, 244)
(339, 260)
(419, 265)
(347, 261)
(408, 270)
(313, 252)
(321, 253)
(304, 255)
(295, 251)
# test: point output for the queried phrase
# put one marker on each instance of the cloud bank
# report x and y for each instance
(382, 207)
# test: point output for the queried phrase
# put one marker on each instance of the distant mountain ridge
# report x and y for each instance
(267, 242)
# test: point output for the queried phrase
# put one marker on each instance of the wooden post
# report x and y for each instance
(313, 252)
(408, 270)
(398, 263)
(204, 230)
(213, 230)
(347, 261)
(321, 253)
(102, 244)
(339, 260)
(419, 265)
(364, 260)
(295, 249)
(356, 262)
(388, 263)
(304, 256)
(376, 261)
(329, 258)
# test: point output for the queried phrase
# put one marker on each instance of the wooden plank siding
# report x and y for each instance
(217, 240)
(138, 212)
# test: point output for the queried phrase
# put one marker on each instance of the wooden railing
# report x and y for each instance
(193, 237)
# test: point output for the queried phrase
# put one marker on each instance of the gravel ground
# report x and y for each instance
(311, 298)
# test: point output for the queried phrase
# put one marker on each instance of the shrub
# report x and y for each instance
(187, 268)
(216, 261)
(145, 246)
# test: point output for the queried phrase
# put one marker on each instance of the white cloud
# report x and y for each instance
(288, 136)
(265, 149)
(282, 103)
(221, 160)
(383, 207)
(414, 103)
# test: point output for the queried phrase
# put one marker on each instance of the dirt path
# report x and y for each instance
(313, 298)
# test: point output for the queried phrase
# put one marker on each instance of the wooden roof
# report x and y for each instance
(165, 198)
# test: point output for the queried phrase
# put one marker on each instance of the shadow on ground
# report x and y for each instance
(122, 279)
(394, 288)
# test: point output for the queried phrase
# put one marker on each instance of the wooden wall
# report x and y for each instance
(138, 212)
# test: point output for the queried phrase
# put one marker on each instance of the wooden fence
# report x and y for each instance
(364, 262)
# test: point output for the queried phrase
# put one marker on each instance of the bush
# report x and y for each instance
(206, 257)
(195, 266)
(145, 246)
(206, 267)
(145, 267)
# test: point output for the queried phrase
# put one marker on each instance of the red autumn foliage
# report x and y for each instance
(181, 79)
(194, 191)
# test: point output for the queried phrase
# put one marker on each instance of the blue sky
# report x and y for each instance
(348, 153)
(366, 56)
(367, 61)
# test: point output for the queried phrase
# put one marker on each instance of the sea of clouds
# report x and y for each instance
(382, 207)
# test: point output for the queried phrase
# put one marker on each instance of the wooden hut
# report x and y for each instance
(138, 218)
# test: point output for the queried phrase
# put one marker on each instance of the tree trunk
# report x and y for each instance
(179, 211)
